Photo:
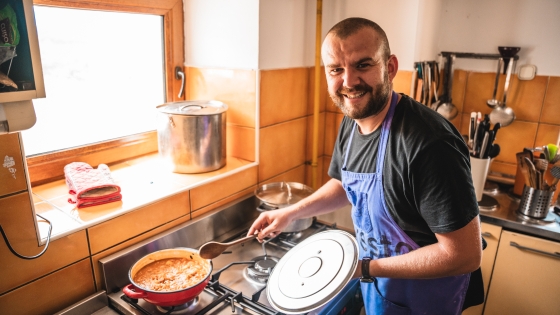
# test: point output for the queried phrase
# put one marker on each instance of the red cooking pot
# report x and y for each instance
(167, 298)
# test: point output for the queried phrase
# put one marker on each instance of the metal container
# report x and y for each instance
(192, 135)
(280, 195)
(535, 203)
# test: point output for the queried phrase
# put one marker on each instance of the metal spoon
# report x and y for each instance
(501, 113)
(212, 250)
(493, 102)
(447, 109)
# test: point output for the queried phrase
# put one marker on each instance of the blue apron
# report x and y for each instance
(379, 236)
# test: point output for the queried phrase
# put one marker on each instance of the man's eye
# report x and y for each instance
(335, 70)
(363, 65)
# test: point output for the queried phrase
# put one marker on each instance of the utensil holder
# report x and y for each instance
(479, 172)
(535, 203)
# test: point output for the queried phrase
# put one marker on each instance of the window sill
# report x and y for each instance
(143, 181)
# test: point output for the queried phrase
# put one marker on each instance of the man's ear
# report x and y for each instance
(392, 67)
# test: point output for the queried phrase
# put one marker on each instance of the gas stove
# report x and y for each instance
(239, 279)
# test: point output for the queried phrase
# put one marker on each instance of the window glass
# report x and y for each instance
(104, 77)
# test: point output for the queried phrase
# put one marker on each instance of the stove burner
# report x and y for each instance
(529, 220)
(179, 309)
(259, 272)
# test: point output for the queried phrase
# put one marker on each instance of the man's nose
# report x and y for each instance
(351, 78)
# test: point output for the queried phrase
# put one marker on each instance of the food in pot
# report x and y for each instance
(171, 274)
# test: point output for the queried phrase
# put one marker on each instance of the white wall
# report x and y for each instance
(222, 33)
(480, 26)
(272, 34)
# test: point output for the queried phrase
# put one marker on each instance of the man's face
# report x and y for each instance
(359, 81)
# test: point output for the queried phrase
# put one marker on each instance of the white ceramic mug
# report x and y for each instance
(479, 172)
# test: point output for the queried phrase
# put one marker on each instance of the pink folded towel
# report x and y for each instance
(90, 187)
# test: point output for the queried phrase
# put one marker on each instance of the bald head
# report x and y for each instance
(351, 26)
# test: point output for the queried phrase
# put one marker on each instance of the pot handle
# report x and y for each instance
(133, 292)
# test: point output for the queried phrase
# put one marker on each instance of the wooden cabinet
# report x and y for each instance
(526, 276)
(12, 168)
(491, 234)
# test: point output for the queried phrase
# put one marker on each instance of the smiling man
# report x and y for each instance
(405, 169)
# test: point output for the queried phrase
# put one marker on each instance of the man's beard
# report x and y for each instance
(375, 104)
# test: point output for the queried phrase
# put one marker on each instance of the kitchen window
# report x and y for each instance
(106, 68)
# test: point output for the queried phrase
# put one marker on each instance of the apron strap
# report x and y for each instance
(385, 128)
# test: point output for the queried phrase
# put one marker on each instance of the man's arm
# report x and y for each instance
(329, 197)
(455, 253)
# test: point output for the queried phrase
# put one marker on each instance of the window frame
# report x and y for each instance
(47, 167)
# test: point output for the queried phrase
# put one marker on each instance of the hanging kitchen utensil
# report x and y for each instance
(494, 102)
(502, 113)
(508, 53)
(212, 250)
(446, 108)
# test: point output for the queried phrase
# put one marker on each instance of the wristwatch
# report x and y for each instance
(366, 277)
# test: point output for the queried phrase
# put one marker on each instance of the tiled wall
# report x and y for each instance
(536, 104)
(69, 269)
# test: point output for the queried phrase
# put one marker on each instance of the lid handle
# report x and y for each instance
(190, 108)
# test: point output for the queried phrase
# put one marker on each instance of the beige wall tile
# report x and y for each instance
(282, 147)
(326, 164)
(119, 229)
(323, 92)
(284, 95)
(12, 177)
(332, 124)
(207, 194)
(222, 202)
(51, 293)
(526, 97)
(320, 136)
(296, 174)
(551, 108)
(235, 87)
(513, 138)
(402, 82)
(479, 88)
(317, 171)
(17, 221)
(547, 134)
(241, 142)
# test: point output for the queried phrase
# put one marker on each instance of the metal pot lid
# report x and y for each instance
(313, 272)
(193, 108)
(282, 193)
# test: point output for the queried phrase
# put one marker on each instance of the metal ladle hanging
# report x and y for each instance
(494, 102)
(502, 113)
(447, 109)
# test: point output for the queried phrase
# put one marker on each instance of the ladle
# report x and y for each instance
(447, 109)
(501, 113)
(212, 250)
(494, 102)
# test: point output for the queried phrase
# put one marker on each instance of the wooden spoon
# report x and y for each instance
(212, 250)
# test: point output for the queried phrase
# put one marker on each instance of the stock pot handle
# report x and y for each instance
(133, 292)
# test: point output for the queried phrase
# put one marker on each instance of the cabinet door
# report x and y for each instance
(491, 234)
(526, 277)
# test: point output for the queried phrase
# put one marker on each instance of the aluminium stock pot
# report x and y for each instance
(192, 135)
(280, 195)
(167, 298)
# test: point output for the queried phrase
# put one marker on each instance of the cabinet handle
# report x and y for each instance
(487, 234)
(554, 255)
(179, 74)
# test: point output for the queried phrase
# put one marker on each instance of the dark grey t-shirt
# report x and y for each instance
(426, 177)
